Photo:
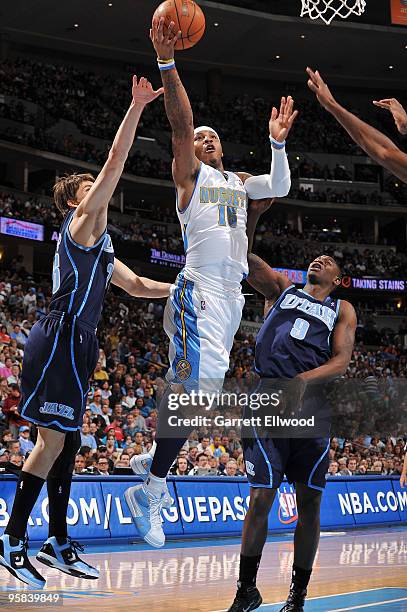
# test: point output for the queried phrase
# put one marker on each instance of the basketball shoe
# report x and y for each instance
(295, 600)
(14, 557)
(145, 507)
(61, 553)
(140, 464)
(246, 599)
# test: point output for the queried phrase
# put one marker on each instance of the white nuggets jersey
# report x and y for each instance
(214, 230)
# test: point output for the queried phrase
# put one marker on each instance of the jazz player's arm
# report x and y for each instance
(343, 340)
(90, 218)
(266, 281)
(185, 166)
(137, 286)
(374, 143)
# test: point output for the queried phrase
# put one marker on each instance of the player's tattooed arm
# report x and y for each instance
(179, 112)
(374, 143)
(343, 341)
(265, 280)
(90, 218)
(137, 286)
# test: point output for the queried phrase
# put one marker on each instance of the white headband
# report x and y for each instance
(205, 128)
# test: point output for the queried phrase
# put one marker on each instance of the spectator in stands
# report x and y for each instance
(96, 404)
(181, 467)
(5, 370)
(201, 465)
(223, 460)
(204, 445)
(15, 378)
(216, 447)
(99, 374)
(139, 420)
(4, 335)
(151, 420)
(130, 428)
(4, 457)
(18, 335)
(26, 444)
(102, 466)
(231, 469)
(87, 439)
(105, 390)
(79, 466)
(10, 409)
(129, 400)
(377, 467)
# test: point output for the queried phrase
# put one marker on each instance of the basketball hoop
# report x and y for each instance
(327, 10)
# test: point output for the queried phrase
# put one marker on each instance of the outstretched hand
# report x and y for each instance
(282, 121)
(397, 110)
(143, 92)
(320, 89)
(164, 44)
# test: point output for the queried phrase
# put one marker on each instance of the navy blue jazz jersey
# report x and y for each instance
(295, 337)
(62, 350)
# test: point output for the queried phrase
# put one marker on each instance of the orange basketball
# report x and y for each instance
(187, 16)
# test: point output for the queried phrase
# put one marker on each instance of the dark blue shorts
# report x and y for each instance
(59, 358)
(304, 460)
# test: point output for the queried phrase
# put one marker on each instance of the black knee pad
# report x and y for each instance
(64, 464)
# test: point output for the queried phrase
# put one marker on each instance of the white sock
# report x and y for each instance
(155, 484)
(151, 452)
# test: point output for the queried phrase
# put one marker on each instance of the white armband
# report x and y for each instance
(277, 184)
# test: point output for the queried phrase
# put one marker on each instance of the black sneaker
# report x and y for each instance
(246, 599)
(295, 600)
(14, 557)
(61, 553)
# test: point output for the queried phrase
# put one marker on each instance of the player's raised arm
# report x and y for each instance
(374, 143)
(90, 218)
(343, 341)
(179, 111)
(137, 286)
(277, 184)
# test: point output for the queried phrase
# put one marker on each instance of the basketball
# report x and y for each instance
(187, 16)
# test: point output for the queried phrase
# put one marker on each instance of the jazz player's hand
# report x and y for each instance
(143, 92)
(164, 43)
(282, 121)
(396, 109)
(320, 89)
(403, 480)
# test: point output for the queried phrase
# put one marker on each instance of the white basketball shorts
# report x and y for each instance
(201, 325)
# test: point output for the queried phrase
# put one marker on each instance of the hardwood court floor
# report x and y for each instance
(356, 570)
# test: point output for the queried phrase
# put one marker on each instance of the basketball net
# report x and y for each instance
(327, 10)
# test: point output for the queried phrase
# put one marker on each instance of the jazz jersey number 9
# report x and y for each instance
(299, 329)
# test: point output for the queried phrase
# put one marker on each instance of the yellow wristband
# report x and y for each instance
(168, 61)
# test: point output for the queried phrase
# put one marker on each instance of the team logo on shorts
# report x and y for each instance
(183, 369)
(250, 468)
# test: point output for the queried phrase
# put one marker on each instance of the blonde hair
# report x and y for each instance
(66, 188)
